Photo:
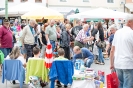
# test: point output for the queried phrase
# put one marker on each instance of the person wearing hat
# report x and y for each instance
(6, 38)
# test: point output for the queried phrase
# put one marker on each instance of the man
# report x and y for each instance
(27, 38)
(85, 54)
(76, 29)
(6, 38)
(63, 28)
(112, 29)
(81, 38)
(121, 54)
(51, 35)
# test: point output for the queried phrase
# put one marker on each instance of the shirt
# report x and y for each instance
(123, 42)
(51, 31)
(6, 37)
(81, 36)
(19, 58)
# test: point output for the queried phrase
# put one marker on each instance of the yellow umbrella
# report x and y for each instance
(45, 13)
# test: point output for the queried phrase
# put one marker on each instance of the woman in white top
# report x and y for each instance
(16, 54)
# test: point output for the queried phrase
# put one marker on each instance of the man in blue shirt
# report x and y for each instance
(83, 53)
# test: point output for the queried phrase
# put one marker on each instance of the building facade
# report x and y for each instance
(64, 6)
(129, 6)
(16, 2)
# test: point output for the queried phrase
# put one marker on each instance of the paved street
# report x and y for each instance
(96, 67)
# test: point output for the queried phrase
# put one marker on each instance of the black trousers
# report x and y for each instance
(67, 52)
(29, 51)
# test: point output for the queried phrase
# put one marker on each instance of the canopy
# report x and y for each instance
(45, 13)
(21, 9)
(99, 13)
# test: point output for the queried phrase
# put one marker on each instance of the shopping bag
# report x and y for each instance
(112, 80)
(1, 57)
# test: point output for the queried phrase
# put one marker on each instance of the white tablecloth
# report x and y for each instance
(83, 84)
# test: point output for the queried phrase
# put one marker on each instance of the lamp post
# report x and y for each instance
(6, 9)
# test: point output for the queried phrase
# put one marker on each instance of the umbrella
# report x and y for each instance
(45, 13)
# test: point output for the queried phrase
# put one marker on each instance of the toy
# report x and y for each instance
(34, 82)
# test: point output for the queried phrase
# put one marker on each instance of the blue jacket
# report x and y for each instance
(86, 54)
(61, 70)
(13, 70)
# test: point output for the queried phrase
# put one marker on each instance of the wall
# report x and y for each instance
(15, 2)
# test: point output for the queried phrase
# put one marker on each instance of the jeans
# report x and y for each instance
(88, 63)
(53, 44)
(125, 77)
(29, 50)
(101, 60)
(6, 51)
(43, 51)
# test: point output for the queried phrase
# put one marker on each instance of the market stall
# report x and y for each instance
(45, 13)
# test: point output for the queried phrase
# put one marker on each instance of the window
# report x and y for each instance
(24, 0)
(110, 1)
(10, 0)
(85, 0)
(63, 0)
(38, 0)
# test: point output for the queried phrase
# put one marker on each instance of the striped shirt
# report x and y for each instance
(81, 36)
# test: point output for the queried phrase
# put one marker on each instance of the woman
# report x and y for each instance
(65, 41)
(43, 40)
(101, 38)
(58, 32)
(16, 55)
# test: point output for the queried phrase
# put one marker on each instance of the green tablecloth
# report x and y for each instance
(36, 67)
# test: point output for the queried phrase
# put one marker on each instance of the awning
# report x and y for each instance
(129, 6)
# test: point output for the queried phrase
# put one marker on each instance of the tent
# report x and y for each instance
(99, 13)
(45, 13)
(21, 9)
(69, 13)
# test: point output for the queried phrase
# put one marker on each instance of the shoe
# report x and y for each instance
(102, 63)
(65, 86)
(58, 84)
(97, 62)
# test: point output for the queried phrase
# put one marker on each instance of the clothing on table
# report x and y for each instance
(6, 37)
(21, 58)
(36, 67)
(13, 70)
(62, 71)
(123, 48)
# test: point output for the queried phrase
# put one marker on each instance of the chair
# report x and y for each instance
(13, 70)
(36, 67)
(61, 70)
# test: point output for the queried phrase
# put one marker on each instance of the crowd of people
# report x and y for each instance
(86, 41)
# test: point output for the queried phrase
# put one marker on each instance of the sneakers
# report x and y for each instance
(101, 63)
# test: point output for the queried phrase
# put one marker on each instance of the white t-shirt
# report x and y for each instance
(123, 42)
(21, 58)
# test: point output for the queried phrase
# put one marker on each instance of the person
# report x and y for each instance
(61, 57)
(101, 38)
(16, 55)
(65, 41)
(112, 29)
(51, 34)
(43, 40)
(84, 54)
(63, 27)
(81, 38)
(36, 53)
(121, 55)
(58, 32)
(75, 30)
(6, 38)
(27, 38)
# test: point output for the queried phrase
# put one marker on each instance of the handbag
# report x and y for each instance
(101, 44)
(112, 80)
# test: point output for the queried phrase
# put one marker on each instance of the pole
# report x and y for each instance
(6, 9)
